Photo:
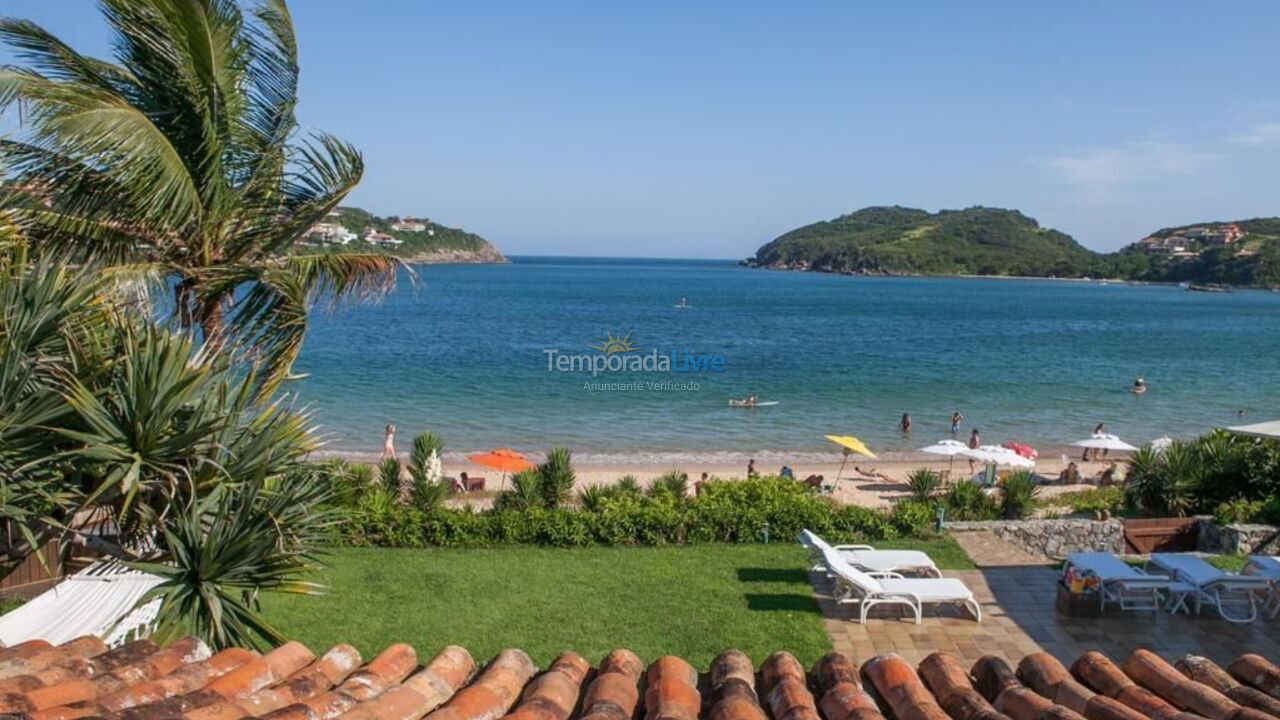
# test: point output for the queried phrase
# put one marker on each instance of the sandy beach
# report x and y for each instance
(854, 487)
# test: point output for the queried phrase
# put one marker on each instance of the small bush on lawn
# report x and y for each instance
(968, 501)
(1092, 500)
(924, 484)
(735, 511)
(1018, 494)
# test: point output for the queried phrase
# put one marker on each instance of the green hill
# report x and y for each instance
(908, 241)
(1185, 254)
(434, 243)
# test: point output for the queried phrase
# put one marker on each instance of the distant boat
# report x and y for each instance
(1208, 288)
(682, 305)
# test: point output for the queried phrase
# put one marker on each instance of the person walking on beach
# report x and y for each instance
(905, 424)
(956, 417)
(751, 468)
(974, 442)
(1097, 430)
(389, 444)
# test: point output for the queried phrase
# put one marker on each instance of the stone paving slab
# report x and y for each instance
(1019, 618)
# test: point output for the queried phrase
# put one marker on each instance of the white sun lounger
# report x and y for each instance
(866, 557)
(99, 600)
(887, 588)
(1209, 584)
(1121, 583)
(1266, 566)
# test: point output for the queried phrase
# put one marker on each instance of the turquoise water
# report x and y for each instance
(462, 353)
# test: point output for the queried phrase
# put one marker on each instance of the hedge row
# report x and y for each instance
(737, 511)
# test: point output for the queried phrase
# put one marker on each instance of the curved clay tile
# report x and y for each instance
(185, 679)
(28, 663)
(1100, 674)
(441, 678)
(672, 690)
(23, 650)
(786, 688)
(842, 696)
(389, 667)
(493, 692)
(1152, 672)
(1043, 673)
(144, 666)
(900, 688)
(949, 682)
(553, 694)
(1000, 686)
(732, 680)
(1207, 672)
(1256, 671)
(615, 692)
(332, 668)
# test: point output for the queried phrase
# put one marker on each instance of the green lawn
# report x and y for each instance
(692, 601)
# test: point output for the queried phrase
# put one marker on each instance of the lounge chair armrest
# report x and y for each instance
(886, 574)
(852, 547)
(886, 595)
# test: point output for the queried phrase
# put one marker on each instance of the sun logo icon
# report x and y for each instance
(611, 345)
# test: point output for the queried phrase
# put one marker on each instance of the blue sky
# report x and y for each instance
(705, 129)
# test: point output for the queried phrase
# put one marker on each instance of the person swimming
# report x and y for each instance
(1139, 386)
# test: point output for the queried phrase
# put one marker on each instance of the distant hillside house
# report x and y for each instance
(409, 225)
(1163, 246)
(330, 234)
(373, 237)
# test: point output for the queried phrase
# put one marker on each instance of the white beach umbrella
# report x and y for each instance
(1104, 441)
(996, 455)
(949, 448)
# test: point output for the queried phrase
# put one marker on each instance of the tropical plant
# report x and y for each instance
(389, 475)
(967, 500)
(181, 162)
(1018, 493)
(627, 485)
(426, 476)
(556, 477)
(924, 484)
(228, 545)
(672, 483)
(525, 494)
(592, 497)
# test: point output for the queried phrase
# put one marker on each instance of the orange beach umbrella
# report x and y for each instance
(505, 460)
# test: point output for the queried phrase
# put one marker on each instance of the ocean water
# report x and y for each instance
(463, 351)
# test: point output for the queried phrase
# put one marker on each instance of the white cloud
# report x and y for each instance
(1103, 169)
(1262, 133)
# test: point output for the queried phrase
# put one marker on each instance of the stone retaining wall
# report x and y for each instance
(1231, 539)
(1052, 538)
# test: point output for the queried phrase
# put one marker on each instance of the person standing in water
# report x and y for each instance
(905, 424)
(956, 417)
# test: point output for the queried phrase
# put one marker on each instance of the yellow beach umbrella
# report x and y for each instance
(850, 444)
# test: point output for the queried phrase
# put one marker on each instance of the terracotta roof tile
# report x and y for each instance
(142, 682)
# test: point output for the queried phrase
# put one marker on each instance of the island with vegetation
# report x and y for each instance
(1000, 242)
(415, 240)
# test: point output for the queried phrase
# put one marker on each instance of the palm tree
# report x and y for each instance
(182, 161)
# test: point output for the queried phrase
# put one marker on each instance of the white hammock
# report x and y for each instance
(98, 600)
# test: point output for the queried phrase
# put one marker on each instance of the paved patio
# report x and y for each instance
(1018, 618)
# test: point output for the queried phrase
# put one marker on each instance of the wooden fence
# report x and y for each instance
(1149, 535)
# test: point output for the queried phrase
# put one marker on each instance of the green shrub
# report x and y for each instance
(525, 494)
(556, 477)
(389, 475)
(1092, 500)
(924, 484)
(913, 517)
(627, 485)
(968, 501)
(672, 482)
(738, 511)
(1238, 511)
(1018, 494)
(592, 497)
